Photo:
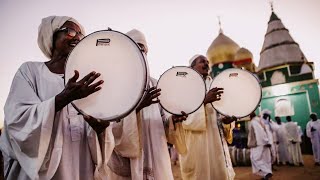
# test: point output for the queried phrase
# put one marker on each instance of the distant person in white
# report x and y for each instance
(260, 146)
(313, 132)
(294, 140)
(282, 143)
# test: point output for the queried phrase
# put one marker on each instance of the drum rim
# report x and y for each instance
(143, 93)
(205, 91)
(259, 98)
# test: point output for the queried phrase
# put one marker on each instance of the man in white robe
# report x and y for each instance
(43, 138)
(294, 140)
(260, 146)
(141, 150)
(271, 128)
(201, 139)
(282, 143)
(313, 132)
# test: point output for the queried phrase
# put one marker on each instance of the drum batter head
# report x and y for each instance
(182, 89)
(241, 94)
(123, 69)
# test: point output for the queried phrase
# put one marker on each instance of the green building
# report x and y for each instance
(289, 87)
(287, 79)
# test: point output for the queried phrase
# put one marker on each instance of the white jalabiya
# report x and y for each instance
(203, 149)
(271, 127)
(141, 150)
(260, 155)
(282, 147)
(315, 138)
(295, 155)
(141, 146)
(38, 143)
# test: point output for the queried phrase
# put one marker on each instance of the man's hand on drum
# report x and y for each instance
(213, 95)
(228, 119)
(98, 125)
(179, 118)
(77, 90)
(149, 98)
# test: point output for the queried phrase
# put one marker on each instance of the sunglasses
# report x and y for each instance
(71, 32)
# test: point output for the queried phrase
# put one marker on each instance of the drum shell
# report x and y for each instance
(240, 157)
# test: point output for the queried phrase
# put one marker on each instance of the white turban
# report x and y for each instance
(47, 28)
(265, 111)
(138, 37)
(194, 58)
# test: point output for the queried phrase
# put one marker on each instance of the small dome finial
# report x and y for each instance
(220, 28)
(271, 5)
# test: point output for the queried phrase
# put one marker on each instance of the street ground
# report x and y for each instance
(307, 172)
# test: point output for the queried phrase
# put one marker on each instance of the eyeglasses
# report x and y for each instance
(71, 32)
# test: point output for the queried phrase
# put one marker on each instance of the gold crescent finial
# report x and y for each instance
(220, 28)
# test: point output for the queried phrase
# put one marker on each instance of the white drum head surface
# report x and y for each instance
(182, 89)
(241, 94)
(122, 67)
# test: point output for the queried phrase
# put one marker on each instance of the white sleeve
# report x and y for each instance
(29, 123)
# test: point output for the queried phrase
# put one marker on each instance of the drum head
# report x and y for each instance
(182, 89)
(122, 67)
(241, 94)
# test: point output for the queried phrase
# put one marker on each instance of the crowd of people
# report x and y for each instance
(278, 143)
(44, 136)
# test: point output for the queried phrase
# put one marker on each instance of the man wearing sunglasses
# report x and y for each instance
(44, 137)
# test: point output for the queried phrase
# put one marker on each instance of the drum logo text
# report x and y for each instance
(103, 42)
(233, 75)
(182, 74)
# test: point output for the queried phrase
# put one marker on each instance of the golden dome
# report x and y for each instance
(244, 59)
(222, 49)
(243, 54)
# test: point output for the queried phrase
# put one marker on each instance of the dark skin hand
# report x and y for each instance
(213, 95)
(268, 145)
(76, 90)
(148, 98)
(98, 125)
(179, 118)
(228, 119)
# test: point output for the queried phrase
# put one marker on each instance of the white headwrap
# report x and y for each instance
(265, 111)
(47, 28)
(138, 37)
(194, 58)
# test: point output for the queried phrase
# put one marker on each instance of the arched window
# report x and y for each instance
(283, 107)
(278, 78)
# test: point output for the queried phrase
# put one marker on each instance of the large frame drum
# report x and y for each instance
(241, 92)
(182, 89)
(123, 68)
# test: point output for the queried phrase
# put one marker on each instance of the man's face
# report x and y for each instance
(266, 116)
(202, 65)
(143, 48)
(278, 120)
(314, 117)
(67, 38)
